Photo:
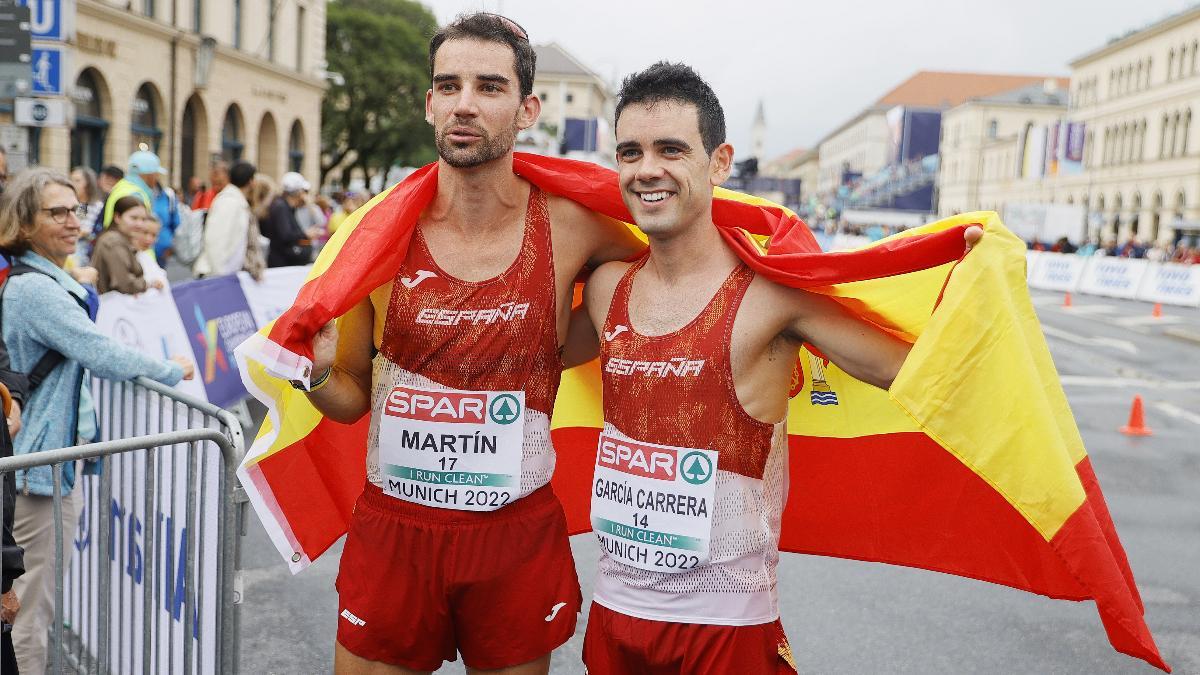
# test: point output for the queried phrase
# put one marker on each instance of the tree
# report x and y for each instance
(375, 118)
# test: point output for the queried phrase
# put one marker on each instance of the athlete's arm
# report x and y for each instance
(596, 238)
(860, 348)
(582, 343)
(345, 346)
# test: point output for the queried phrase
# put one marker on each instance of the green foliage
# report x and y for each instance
(376, 119)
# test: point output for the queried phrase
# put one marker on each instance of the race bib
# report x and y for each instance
(452, 449)
(652, 505)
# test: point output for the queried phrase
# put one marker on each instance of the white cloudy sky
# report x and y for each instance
(816, 63)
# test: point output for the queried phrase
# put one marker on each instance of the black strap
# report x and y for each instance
(52, 358)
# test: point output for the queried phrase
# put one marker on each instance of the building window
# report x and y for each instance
(993, 128)
(197, 15)
(271, 7)
(231, 135)
(90, 130)
(1162, 137)
(1175, 135)
(143, 126)
(1187, 123)
(570, 98)
(1170, 64)
(296, 148)
(237, 24)
(148, 8)
(1195, 45)
(542, 96)
(301, 21)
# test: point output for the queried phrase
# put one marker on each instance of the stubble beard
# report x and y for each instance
(486, 149)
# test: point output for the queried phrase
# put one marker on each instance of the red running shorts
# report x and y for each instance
(419, 584)
(618, 644)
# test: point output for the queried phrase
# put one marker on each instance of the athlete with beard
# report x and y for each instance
(696, 355)
(457, 544)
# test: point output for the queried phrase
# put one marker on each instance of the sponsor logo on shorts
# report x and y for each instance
(435, 406)
(610, 335)
(349, 616)
(509, 311)
(637, 459)
(554, 611)
(416, 279)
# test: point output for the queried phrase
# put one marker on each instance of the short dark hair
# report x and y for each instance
(113, 171)
(666, 81)
(491, 28)
(241, 174)
(128, 202)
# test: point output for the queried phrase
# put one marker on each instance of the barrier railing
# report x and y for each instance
(149, 581)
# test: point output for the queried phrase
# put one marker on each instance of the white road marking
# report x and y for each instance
(1148, 320)
(1177, 412)
(1122, 345)
(1114, 382)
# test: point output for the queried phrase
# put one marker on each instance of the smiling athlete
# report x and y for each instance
(457, 544)
(696, 355)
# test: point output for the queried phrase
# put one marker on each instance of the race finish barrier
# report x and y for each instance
(1132, 279)
(153, 582)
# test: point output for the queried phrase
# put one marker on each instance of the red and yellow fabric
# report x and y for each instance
(971, 464)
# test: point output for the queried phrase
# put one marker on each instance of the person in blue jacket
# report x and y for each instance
(43, 310)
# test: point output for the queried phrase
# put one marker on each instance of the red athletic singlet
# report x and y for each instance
(689, 487)
(495, 339)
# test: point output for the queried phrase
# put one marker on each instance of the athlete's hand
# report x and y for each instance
(189, 369)
(972, 235)
(325, 347)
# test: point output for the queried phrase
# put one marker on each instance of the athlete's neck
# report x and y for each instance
(696, 250)
(476, 198)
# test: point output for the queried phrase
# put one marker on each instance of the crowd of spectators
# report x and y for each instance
(1178, 252)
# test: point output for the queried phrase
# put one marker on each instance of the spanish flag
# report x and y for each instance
(971, 464)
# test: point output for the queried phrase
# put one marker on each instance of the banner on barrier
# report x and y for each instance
(149, 323)
(1056, 271)
(216, 316)
(1113, 277)
(1171, 283)
(274, 294)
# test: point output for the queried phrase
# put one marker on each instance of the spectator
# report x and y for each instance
(218, 178)
(38, 225)
(1063, 245)
(290, 244)
(1087, 248)
(193, 188)
(3, 169)
(144, 177)
(87, 189)
(144, 243)
(12, 391)
(115, 256)
(231, 230)
(350, 204)
(108, 179)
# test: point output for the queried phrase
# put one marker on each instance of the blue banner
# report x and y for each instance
(216, 317)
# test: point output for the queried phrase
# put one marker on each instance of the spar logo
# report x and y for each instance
(697, 468)
(505, 409)
(634, 458)
(436, 406)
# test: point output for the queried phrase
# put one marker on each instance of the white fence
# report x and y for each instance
(1133, 279)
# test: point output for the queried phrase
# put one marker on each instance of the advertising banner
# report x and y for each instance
(216, 317)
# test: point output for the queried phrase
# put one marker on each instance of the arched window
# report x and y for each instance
(144, 116)
(1118, 204)
(1156, 218)
(268, 146)
(1140, 75)
(90, 97)
(232, 139)
(1135, 214)
(1195, 46)
(1174, 135)
(193, 140)
(1162, 137)
(296, 147)
(1170, 64)
(1187, 123)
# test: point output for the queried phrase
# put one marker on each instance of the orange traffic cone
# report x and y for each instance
(1157, 311)
(1067, 299)
(1137, 420)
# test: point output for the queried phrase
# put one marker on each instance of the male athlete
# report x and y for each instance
(696, 354)
(457, 543)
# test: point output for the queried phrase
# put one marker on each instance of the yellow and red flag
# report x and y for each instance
(971, 464)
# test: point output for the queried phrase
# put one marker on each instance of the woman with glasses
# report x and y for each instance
(48, 330)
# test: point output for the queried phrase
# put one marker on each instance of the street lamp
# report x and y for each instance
(204, 59)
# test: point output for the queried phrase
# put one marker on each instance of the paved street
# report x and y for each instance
(851, 617)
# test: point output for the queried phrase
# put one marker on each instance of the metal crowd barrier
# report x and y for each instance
(141, 579)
